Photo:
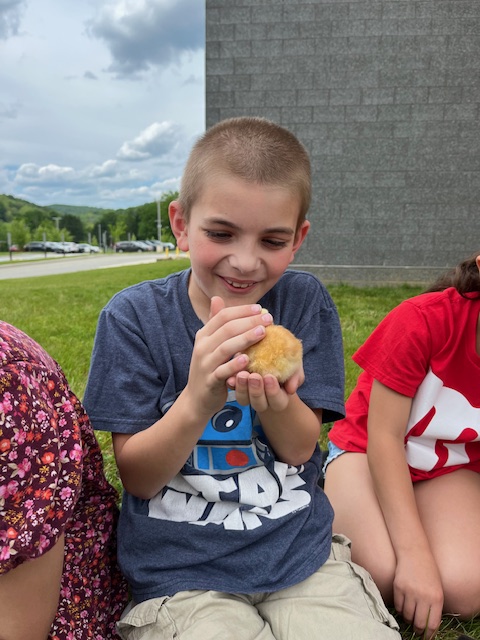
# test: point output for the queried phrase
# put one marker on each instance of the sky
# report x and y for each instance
(100, 100)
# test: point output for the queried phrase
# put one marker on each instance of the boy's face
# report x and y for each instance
(241, 237)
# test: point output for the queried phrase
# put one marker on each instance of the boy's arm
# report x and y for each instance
(292, 428)
(293, 433)
(149, 459)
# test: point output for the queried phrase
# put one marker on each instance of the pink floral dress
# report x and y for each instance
(52, 482)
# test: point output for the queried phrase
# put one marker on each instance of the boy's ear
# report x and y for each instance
(300, 236)
(178, 224)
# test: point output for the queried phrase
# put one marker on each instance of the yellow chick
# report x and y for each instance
(278, 353)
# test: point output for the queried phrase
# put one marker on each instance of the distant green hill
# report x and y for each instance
(87, 214)
(79, 211)
(9, 206)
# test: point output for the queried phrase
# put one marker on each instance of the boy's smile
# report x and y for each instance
(241, 237)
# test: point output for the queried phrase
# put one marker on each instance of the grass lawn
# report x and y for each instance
(61, 312)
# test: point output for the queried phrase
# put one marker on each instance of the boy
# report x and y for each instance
(224, 532)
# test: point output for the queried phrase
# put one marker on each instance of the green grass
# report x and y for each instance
(61, 312)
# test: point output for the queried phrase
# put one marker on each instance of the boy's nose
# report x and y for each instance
(244, 261)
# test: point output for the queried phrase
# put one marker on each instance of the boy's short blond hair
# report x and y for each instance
(253, 149)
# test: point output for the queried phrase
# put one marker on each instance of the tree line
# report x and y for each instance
(22, 221)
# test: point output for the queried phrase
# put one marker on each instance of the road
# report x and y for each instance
(71, 263)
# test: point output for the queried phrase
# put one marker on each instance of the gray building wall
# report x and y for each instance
(385, 95)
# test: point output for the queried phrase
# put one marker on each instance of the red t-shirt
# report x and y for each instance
(424, 349)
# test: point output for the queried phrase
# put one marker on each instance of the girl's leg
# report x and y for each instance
(449, 507)
(349, 487)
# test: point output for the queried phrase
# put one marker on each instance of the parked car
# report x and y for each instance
(148, 245)
(36, 246)
(84, 247)
(56, 247)
(151, 244)
(70, 247)
(162, 245)
(130, 245)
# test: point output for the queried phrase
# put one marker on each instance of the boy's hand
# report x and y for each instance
(265, 393)
(218, 353)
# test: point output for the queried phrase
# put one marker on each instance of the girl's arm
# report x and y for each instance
(29, 596)
(417, 587)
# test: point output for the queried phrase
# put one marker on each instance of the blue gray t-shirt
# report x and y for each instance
(234, 519)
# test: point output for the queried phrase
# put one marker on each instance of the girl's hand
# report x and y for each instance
(418, 593)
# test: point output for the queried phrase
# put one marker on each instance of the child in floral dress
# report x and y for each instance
(58, 572)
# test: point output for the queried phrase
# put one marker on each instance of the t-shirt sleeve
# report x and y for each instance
(39, 478)
(317, 325)
(122, 393)
(398, 351)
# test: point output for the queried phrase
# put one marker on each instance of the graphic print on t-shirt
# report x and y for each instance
(231, 478)
(228, 441)
(441, 428)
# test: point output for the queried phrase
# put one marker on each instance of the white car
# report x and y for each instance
(84, 247)
(69, 247)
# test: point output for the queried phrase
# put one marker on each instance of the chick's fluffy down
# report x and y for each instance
(278, 353)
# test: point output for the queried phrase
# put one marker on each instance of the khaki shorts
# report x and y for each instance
(338, 602)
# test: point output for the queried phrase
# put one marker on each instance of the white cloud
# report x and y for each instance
(158, 139)
(73, 133)
(107, 168)
(50, 174)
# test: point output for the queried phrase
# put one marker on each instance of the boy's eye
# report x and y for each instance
(275, 244)
(218, 235)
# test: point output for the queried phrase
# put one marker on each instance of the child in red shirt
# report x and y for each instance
(407, 491)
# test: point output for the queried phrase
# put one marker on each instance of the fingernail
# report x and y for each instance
(267, 317)
(256, 308)
(269, 381)
(259, 331)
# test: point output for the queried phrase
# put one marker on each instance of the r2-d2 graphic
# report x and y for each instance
(229, 442)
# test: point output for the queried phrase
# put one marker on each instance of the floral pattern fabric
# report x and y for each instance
(52, 483)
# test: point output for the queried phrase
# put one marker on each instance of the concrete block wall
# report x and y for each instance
(385, 94)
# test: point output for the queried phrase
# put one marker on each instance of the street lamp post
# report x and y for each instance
(159, 221)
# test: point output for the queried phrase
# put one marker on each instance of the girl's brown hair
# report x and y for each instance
(464, 277)
(253, 149)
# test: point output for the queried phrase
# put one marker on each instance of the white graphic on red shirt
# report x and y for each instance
(441, 428)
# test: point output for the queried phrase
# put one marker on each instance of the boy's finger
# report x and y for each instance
(216, 305)
(229, 313)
